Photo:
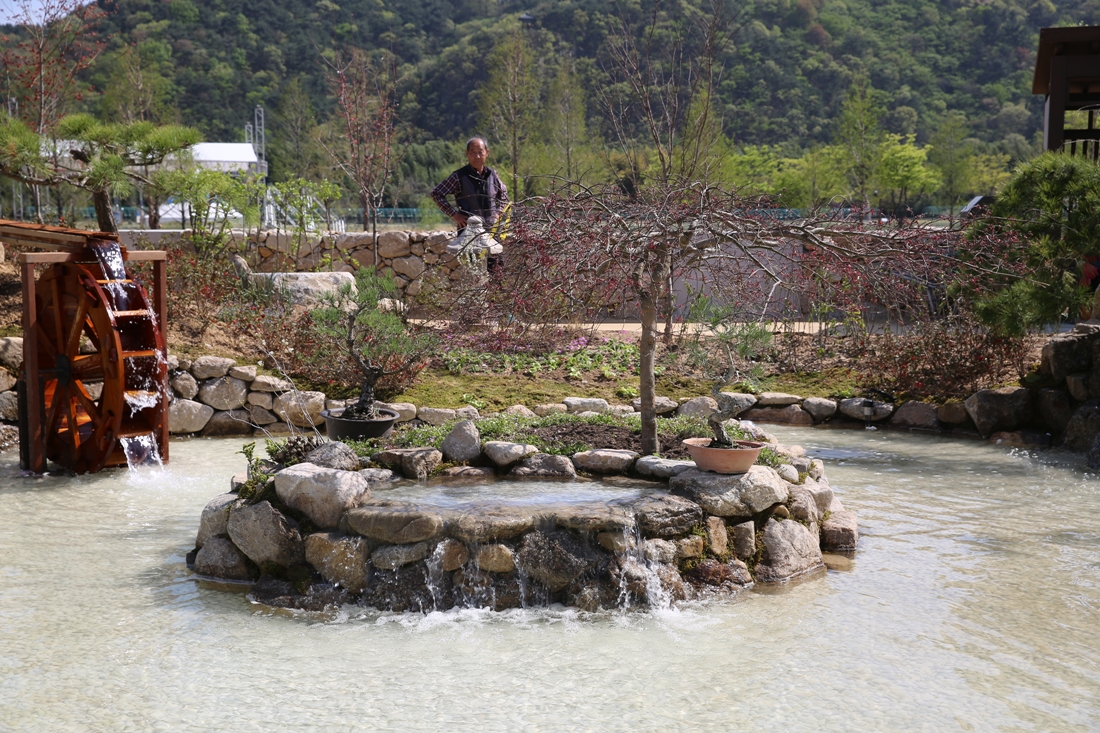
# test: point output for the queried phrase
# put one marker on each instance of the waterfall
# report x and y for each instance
(141, 451)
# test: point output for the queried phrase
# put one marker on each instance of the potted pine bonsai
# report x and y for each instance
(740, 344)
(368, 324)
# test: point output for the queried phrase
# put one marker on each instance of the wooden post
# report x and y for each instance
(160, 306)
(36, 450)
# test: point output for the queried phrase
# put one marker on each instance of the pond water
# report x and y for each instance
(972, 605)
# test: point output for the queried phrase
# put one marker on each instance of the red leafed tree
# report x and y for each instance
(366, 97)
(55, 41)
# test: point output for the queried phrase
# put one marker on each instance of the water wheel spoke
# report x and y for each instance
(89, 407)
(45, 341)
(86, 367)
(58, 328)
(70, 415)
(72, 343)
(54, 412)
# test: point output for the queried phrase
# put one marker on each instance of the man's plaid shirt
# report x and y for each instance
(453, 186)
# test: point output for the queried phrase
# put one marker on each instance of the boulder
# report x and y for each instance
(224, 393)
(415, 463)
(322, 494)
(391, 557)
(738, 402)
(916, 414)
(554, 559)
(376, 475)
(820, 409)
(789, 415)
(1063, 355)
(993, 410)
(543, 464)
(661, 405)
(769, 399)
(616, 542)
(717, 536)
(393, 244)
(744, 539)
(661, 467)
(715, 573)
(451, 554)
(469, 471)
(790, 549)
(585, 404)
(496, 558)
(689, 548)
(187, 416)
(605, 460)
(335, 455)
(184, 385)
(211, 367)
(9, 406)
(1078, 385)
(588, 518)
(11, 353)
(952, 413)
(260, 416)
(228, 422)
(7, 380)
(698, 406)
(406, 589)
(495, 591)
(214, 518)
(340, 559)
(301, 409)
(467, 413)
(308, 289)
(787, 472)
(491, 524)
(853, 408)
(1055, 409)
(505, 454)
(265, 535)
(738, 495)
(840, 532)
(666, 515)
(395, 525)
(463, 443)
(411, 267)
(243, 373)
(659, 551)
(261, 399)
(220, 558)
(519, 411)
(435, 415)
(405, 410)
(1082, 427)
(550, 409)
(267, 383)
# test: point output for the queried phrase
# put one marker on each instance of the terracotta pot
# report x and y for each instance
(338, 428)
(723, 460)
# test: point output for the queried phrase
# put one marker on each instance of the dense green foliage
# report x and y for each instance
(953, 75)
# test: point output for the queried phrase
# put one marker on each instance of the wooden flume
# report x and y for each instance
(95, 369)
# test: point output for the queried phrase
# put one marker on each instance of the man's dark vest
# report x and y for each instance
(478, 192)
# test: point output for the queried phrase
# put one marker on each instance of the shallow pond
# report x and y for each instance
(972, 605)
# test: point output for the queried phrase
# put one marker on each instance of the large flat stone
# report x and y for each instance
(391, 557)
(915, 414)
(265, 535)
(738, 495)
(853, 407)
(605, 460)
(788, 415)
(491, 524)
(840, 531)
(661, 405)
(698, 406)
(666, 515)
(546, 465)
(322, 494)
(585, 404)
(211, 367)
(395, 525)
(503, 453)
(414, 463)
(661, 467)
(994, 410)
(777, 399)
(187, 416)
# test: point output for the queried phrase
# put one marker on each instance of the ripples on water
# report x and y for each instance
(972, 605)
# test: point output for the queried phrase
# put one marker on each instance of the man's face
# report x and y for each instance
(477, 154)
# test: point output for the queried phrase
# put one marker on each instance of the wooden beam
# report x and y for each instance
(48, 258)
(36, 449)
(44, 236)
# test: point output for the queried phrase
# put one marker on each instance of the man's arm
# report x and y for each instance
(440, 193)
(501, 198)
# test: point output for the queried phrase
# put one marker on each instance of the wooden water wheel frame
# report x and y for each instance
(94, 354)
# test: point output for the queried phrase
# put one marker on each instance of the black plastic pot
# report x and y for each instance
(339, 429)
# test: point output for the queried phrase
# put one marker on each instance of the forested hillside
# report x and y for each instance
(781, 80)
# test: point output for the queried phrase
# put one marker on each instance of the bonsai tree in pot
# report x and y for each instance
(367, 324)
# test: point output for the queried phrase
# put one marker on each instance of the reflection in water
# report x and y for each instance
(973, 604)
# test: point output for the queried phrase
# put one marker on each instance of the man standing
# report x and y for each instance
(477, 189)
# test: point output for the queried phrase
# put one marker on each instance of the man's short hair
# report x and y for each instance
(478, 139)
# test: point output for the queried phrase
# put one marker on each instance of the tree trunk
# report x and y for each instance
(364, 408)
(647, 348)
(104, 216)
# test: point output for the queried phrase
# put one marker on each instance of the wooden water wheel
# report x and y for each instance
(95, 370)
